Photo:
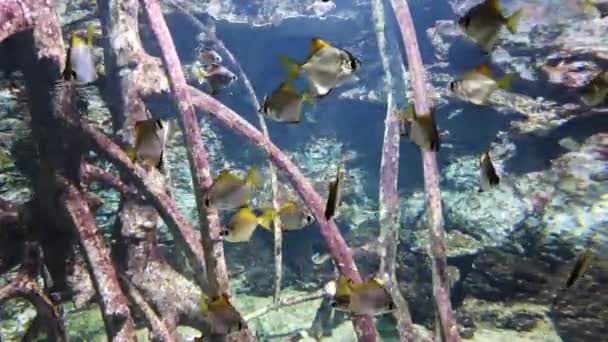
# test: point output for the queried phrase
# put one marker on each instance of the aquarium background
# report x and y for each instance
(509, 250)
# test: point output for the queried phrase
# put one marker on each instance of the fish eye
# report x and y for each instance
(452, 85)
(308, 219)
(207, 202)
(334, 304)
(233, 78)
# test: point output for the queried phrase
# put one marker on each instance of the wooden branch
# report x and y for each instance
(441, 289)
(93, 173)
(114, 305)
(158, 329)
(389, 197)
(289, 301)
(20, 15)
(217, 273)
(341, 253)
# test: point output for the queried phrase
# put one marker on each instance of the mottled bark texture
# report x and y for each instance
(339, 250)
(20, 15)
(441, 289)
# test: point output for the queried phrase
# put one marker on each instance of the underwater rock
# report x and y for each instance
(520, 321)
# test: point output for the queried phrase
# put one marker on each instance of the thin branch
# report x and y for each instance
(164, 204)
(114, 305)
(19, 15)
(339, 250)
(284, 302)
(93, 173)
(217, 272)
(441, 289)
(158, 328)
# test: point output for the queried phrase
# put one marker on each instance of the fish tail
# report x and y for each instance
(505, 82)
(588, 6)
(513, 20)
(253, 176)
(306, 96)
(204, 303)
(90, 34)
(291, 66)
(265, 219)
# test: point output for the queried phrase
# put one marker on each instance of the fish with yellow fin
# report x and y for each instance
(229, 191)
(80, 61)
(326, 67)
(367, 298)
(333, 199)
(421, 130)
(217, 77)
(483, 23)
(580, 267)
(478, 84)
(207, 55)
(285, 103)
(594, 93)
(150, 140)
(242, 224)
(223, 318)
(293, 217)
(487, 173)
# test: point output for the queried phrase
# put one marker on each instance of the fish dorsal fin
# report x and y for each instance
(76, 40)
(288, 87)
(344, 287)
(484, 157)
(291, 205)
(204, 303)
(484, 69)
(495, 4)
(317, 44)
(225, 176)
(90, 34)
(220, 302)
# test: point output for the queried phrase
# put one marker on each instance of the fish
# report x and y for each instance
(80, 61)
(223, 318)
(594, 93)
(483, 23)
(293, 217)
(326, 67)
(333, 199)
(478, 84)
(285, 103)
(421, 130)
(207, 55)
(217, 77)
(405, 117)
(241, 226)
(487, 174)
(580, 267)
(150, 140)
(366, 298)
(229, 191)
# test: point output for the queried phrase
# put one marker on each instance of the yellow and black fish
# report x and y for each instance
(421, 130)
(367, 298)
(483, 23)
(285, 103)
(223, 318)
(80, 62)
(150, 140)
(241, 226)
(478, 84)
(580, 267)
(217, 77)
(487, 174)
(293, 217)
(326, 67)
(207, 55)
(229, 191)
(333, 199)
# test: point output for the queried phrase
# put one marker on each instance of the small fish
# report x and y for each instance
(333, 199)
(326, 67)
(487, 174)
(80, 62)
(478, 84)
(242, 224)
(483, 23)
(216, 76)
(580, 267)
(405, 117)
(367, 298)
(421, 130)
(221, 315)
(594, 93)
(208, 56)
(150, 140)
(293, 217)
(229, 191)
(285, 103)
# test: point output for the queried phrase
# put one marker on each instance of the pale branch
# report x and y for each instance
(217, 273)
(441, 289)
(20, 15)
(339, 250)
(93, 173)
(285, 302)
(158, 328)
(164, 204)
(113, 303)
(389, 197)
